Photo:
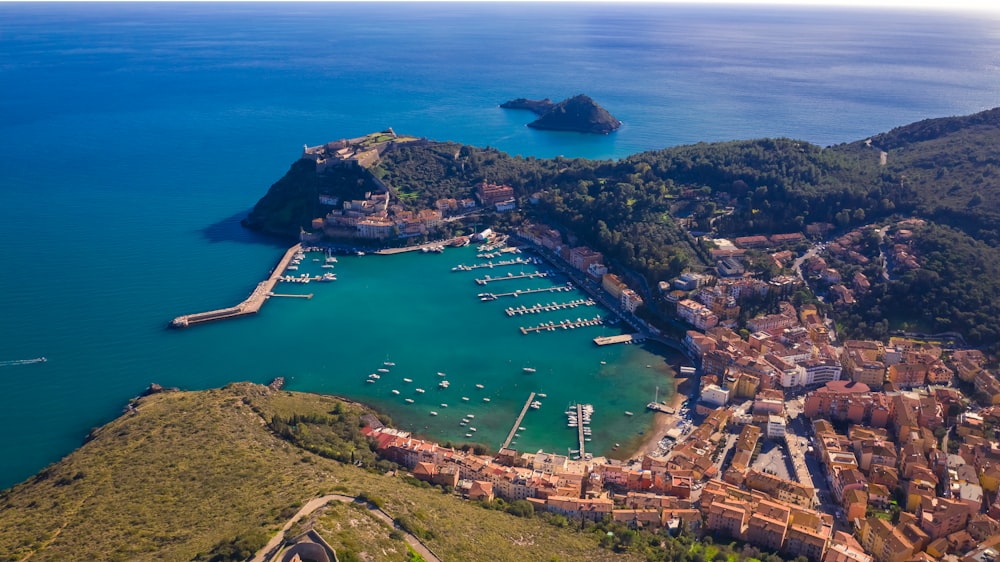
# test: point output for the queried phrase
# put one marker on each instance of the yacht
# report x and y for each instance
(529, 369)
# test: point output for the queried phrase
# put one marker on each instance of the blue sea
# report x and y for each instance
(133, 137)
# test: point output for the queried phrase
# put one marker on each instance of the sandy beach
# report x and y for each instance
(662, 422)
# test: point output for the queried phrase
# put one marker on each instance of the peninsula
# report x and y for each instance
(579, 113)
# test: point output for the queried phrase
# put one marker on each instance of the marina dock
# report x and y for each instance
(623, 338)
(547, 307)
(308, 296)
(579, 430)
(491, 265)
(519, 292)
(511, 277)
(517, 422)
(565, 325)
(249, 306)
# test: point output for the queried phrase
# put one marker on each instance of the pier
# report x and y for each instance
(517, 422)
(624, 338)
(491, 265)
(547, 307)
(579, 430)
(565, 325)
(519, 292)
(249, 306)
(290, 296)
(511, 277)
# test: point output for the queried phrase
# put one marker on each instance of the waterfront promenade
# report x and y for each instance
(249, 306)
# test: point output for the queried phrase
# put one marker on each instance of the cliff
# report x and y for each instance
(578, 113)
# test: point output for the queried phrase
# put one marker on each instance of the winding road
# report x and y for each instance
(312, 505)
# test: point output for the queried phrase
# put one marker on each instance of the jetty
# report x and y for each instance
(511, 277)
(491, 265)
(517, 422)
(579, 430)
(565, 325)
(249, 306)
(623, 338)
(519, 292)
(291, 296)
(547, 307)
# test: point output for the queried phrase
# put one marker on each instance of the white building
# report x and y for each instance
(775, 427)
(821, 371)
(715, 395)
(631, 300)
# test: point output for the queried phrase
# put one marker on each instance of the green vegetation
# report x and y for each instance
(632, 210)
(200, 475)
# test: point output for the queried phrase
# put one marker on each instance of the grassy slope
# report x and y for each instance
(193, 469)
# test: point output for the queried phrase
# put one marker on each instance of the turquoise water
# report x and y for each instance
(134, 137)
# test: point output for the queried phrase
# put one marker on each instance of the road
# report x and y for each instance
(312, 505)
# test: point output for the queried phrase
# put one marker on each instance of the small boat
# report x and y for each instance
(443, 405)
(628, 413)
(465, 398)
(604, 362)
(383, 370)
(374, 376)
(521, 428)
(472, 429)
(389, 364)
(542, 395)
(433, 413)
(468, 435)
(444, 384)
(420, 390)
(470, 416)
(409, 401)
(440, 374)
(486, 399)
(370, 381)
(394, 391)
(480, 386)
(407, 380)
(529, 369)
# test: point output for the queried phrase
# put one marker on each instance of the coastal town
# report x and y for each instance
(780, 436)
(791, 441)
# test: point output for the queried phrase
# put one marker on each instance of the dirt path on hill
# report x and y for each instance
(312, 505)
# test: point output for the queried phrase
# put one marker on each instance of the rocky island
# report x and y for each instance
(579, 113)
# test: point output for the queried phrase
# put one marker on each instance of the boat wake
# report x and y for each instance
(16, 362)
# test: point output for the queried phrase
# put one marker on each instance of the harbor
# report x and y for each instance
(490, 265)
(511, 311)
(517, 422)
(567, 324)
(579, 417)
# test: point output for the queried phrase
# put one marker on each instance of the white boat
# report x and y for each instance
(468, 435)
(444, 384)
(370, 381)
(628, 413)
(480, 386)
(292, 268)
(472, 429)
(389, 364)
(383, 370)
(374, 376)
(327, 266)
(433, 413)
(409, 401)
(529, 369)
(465, 398)
(440, 374)
(604, 362)
(470, 416)
(394, 391)
(331, 259)
(420, 390)
(542, 395)
(407, 380)
(521, 428)
(486, 399)
(443, 405)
